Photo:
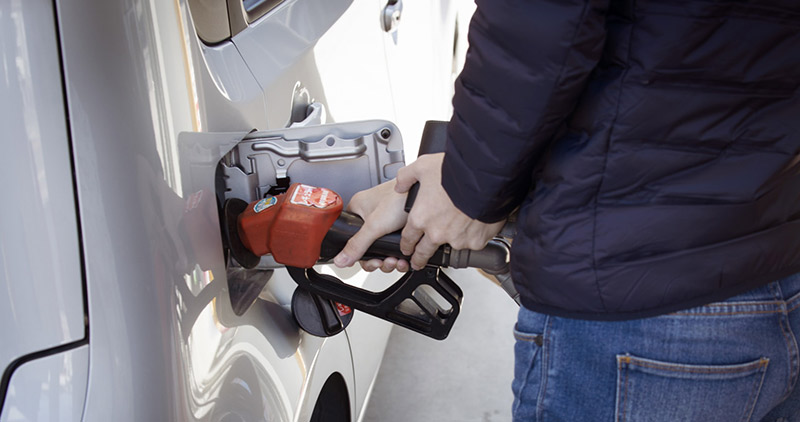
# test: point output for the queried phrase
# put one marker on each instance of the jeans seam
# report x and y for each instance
(743, 303)
(525, 337)
(795, 298)
(625, 401)
(539, 349)
(756, 390)
(783, 324)
(525, 380)
(788, 338)
(776, 311)
(685, 369)
(623, 368)
(545, 366)
(791, 351)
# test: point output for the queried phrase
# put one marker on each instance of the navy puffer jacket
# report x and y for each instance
(653, 147)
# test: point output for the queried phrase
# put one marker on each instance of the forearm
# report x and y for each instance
(527, 64)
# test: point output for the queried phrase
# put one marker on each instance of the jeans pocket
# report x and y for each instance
(653, 391)
(528, 350)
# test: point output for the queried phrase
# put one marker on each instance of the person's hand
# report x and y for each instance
(382, 210)
(434, 219)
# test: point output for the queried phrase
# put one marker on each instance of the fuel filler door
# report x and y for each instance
(343, 157)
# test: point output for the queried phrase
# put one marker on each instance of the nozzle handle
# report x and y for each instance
(346, 227)
(493, 258)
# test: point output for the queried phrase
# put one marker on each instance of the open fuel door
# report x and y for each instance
(343, 157)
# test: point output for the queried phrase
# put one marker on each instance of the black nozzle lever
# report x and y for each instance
(425, 301)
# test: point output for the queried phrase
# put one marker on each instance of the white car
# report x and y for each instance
(120, 122)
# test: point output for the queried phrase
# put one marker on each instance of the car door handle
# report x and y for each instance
(391, 15)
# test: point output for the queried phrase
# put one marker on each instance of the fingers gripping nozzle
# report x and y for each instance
(494, 258)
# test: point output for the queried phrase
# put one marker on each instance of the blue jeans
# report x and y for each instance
(730, 361)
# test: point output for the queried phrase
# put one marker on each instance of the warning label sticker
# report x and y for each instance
(265, 203)
(343, 309)
(311, 196)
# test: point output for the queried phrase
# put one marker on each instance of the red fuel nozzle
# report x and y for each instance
(291, 225)
(306, 224)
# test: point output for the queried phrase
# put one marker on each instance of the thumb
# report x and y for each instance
(406, 177)
(355, 248)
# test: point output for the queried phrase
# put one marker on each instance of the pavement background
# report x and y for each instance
(467, 377)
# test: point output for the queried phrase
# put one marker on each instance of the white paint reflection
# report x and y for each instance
(227, 360)
(51, 388)
(157, 34)
(40, 212)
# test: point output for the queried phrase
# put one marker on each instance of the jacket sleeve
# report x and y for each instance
(527, 64)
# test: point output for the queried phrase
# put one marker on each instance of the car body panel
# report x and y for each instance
(52, 388)
(169, 349)
(41, 299)
(416, 65)
(167, 346)
(342, 68)
(152, 110)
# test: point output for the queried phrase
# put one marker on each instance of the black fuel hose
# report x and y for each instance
(492, 259)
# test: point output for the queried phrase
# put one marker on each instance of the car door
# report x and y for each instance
(154, 102)
(44, 354)
(422, 52)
